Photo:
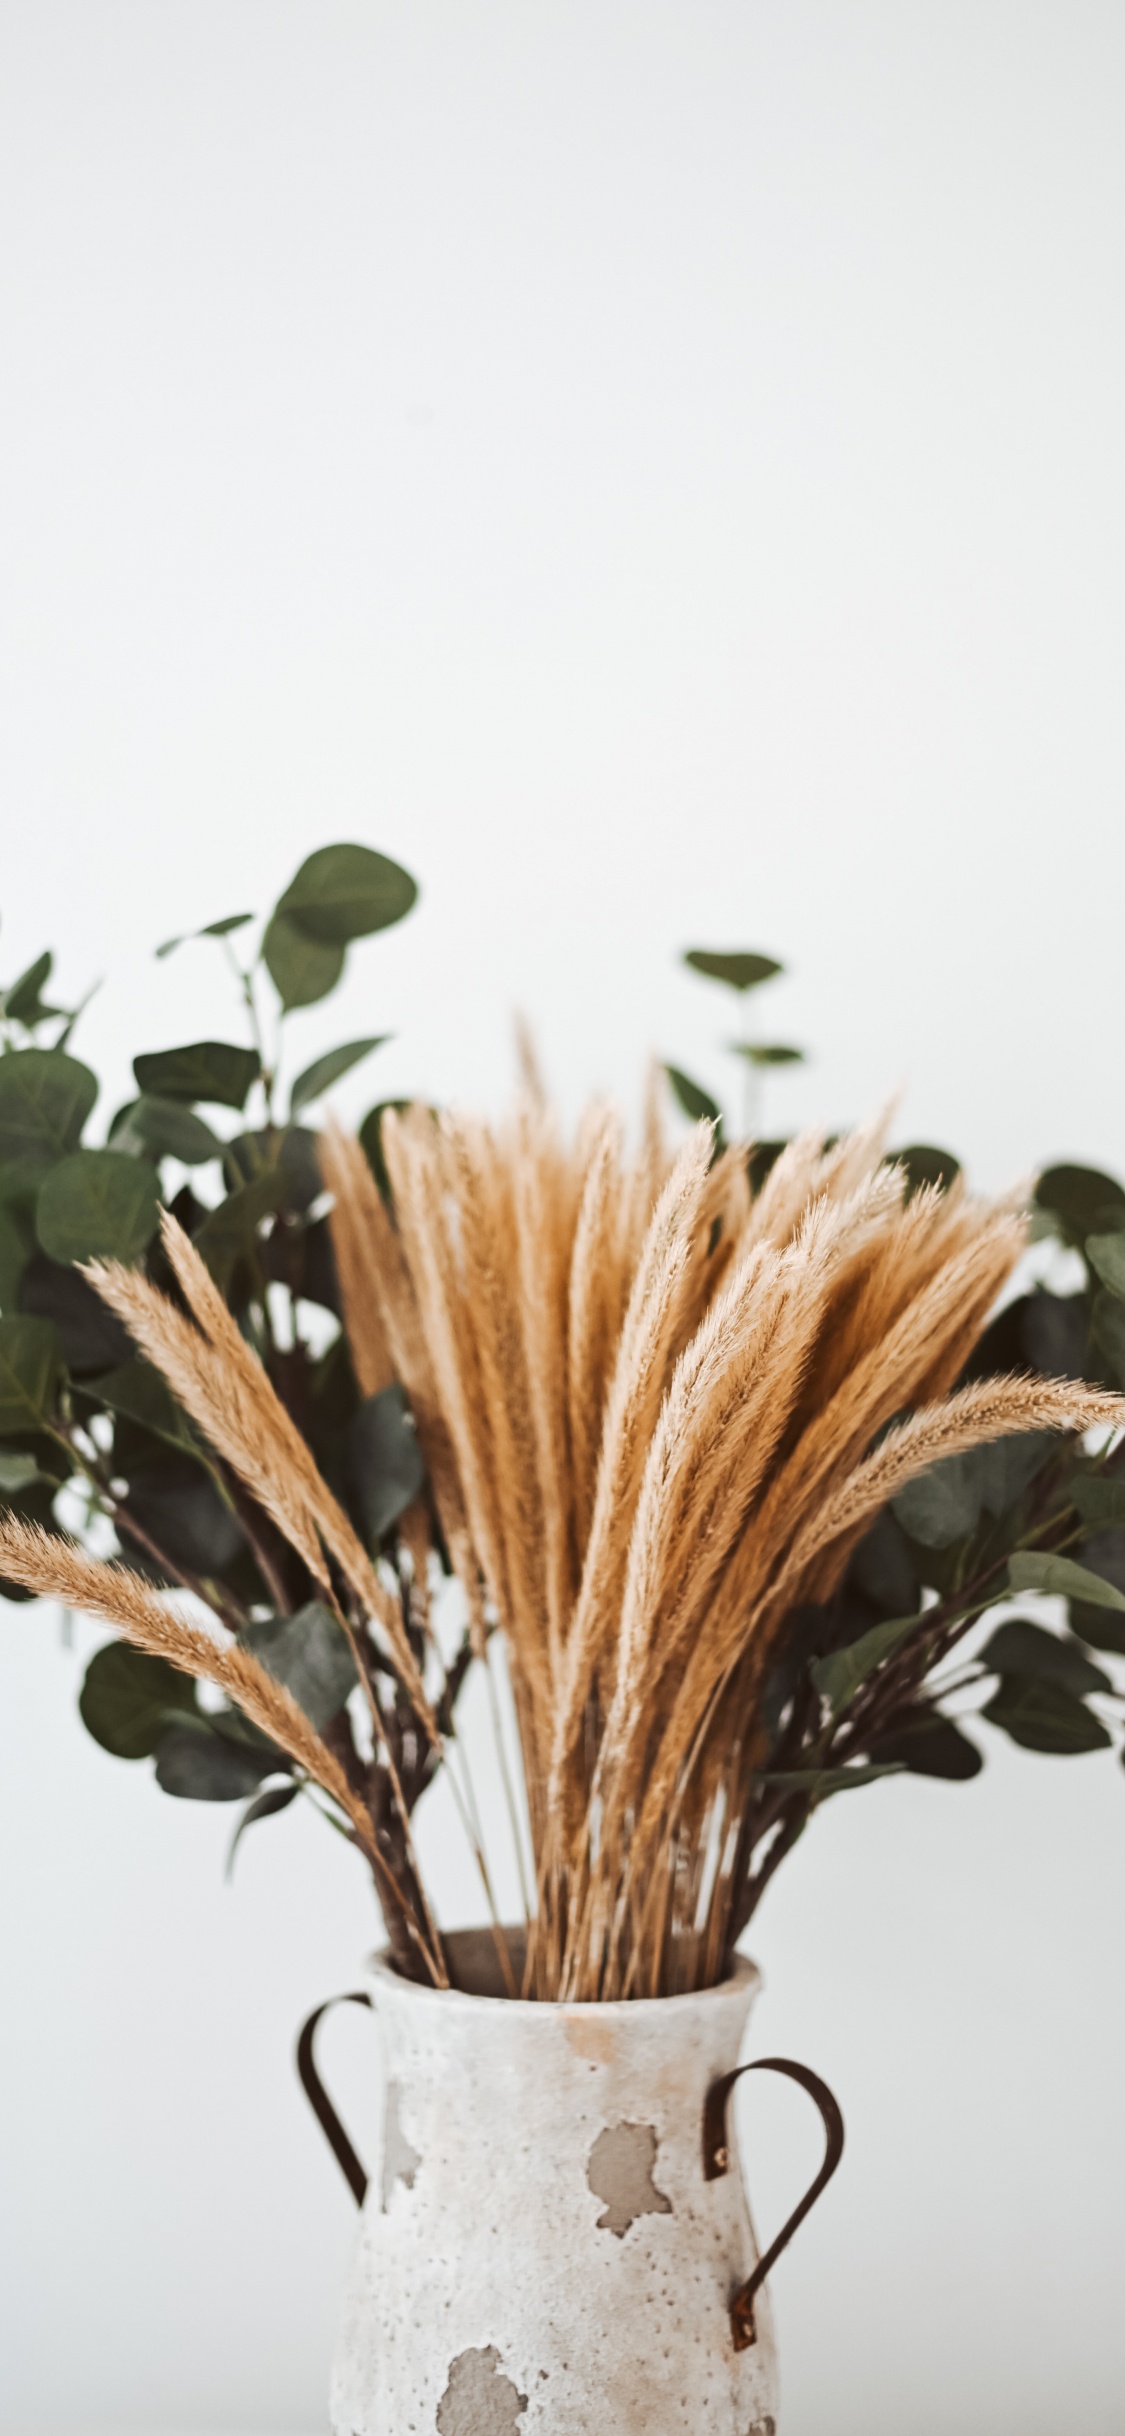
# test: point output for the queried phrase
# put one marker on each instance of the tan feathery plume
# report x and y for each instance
(55, 1568)
(647, 1336)
(222, 1384)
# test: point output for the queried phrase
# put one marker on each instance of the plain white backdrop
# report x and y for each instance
(656, 469)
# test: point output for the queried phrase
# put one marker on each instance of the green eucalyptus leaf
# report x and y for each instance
(1021, 1647)
(210, 930)
(1045, 1717)
(1107, 1323)
(303, 969)
(182, 1513)
(1096, 1628)
(840, 1676)
(17, 1243)
(89, 1334)
(143, 1395)
(384, 1459)
(1099, 1498)
(308, 1653)
(327, 1070)
(738, 968)
(19, 1471)
(229, 1233)
(264, 1806)
(165, 1129)
(1106, 1255)
(23, 1003)
(45, 1099)
(128, 1699)
(820, 1782)
(1060, 1576)
(932, 1746)
(202, 1767)
(346, 892)
(1006, 1467)
(29, 1373)
(217, 1071)
(371, 1142)
(1082, 1200)
(766, 1053)
(925, 1164)
(694, 1101)
(97, 1205)
(942, 1505)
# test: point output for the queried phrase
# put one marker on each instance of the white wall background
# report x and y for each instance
(657, 469)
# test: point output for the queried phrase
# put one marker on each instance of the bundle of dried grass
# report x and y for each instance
(657, 1412)
(670, 1408)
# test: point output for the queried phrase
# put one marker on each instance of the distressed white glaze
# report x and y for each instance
(539, 2251)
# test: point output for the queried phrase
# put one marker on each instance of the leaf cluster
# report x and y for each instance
(80, 1408)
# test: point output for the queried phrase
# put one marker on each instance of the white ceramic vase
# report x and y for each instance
(556, 2230)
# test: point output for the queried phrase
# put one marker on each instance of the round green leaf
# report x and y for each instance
(98, 1205)
(384, 1459)
(45, 1099)
(302, 969)
(199, 1766)
(216, 1070)
(346, 892)
(29, 1369)
(128, 1699)
(925, 1165)
(166, 1129)
(308, 1652)
(1045, 1717)
(1106, 1254)
(739, 968)
(942, 1505)
(1020, 1647)
(1082, 1200)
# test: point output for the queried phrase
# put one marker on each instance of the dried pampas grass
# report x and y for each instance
(657, 1411)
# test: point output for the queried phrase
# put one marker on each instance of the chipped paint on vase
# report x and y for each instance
(539, 2253)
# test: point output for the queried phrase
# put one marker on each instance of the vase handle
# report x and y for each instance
(321, 2103)
(717, 2158)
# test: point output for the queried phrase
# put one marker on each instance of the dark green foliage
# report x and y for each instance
(308, 1653)
(201, 1766)
(370, 1134)
(29, 1371)
(128, 1699)
(385, 1460)
(45, 1099)
(738, 968)
(1020, 1647)
(932, 1745)
(1081, 1201)
(211, 1070)
(1044, 1716)
(346, 892)
(692, 1098)
(97, 1205)
(78, 1403)
(165, 1129)
(324, 1071)
(925, 1165)
(89, 1337)
(303, 969)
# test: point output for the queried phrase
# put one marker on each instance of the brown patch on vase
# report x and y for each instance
(620, 2171)
(479, 2400)
(592, 2040)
